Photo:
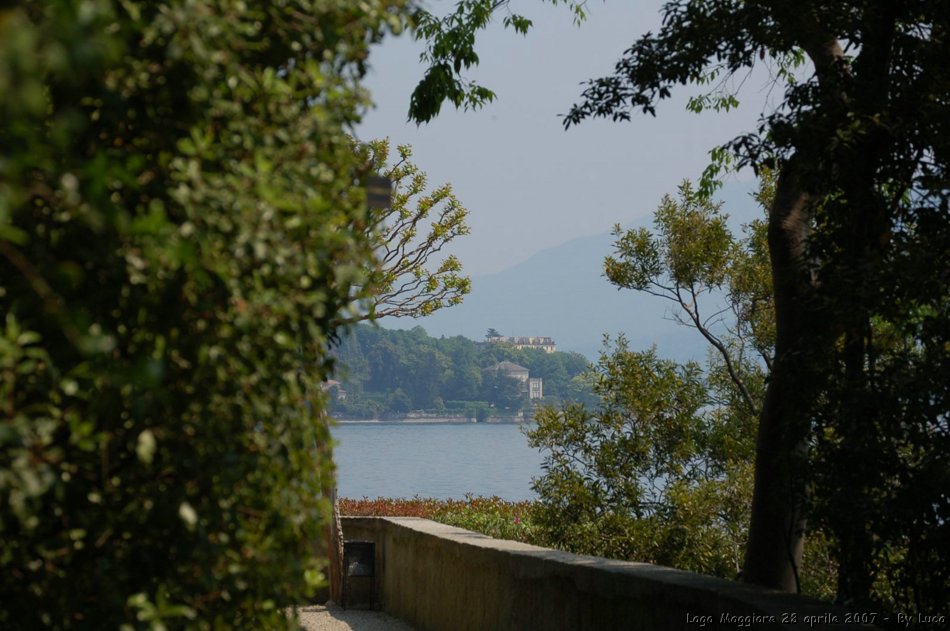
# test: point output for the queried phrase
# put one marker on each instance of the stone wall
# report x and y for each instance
(440, 578)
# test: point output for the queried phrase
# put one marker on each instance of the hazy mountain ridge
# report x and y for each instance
(561, 292)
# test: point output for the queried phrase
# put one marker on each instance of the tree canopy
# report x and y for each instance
(182, 224)
(659, 469)
(860, 200)
(858, 235)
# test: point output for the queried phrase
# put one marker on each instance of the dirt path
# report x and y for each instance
(334, 618)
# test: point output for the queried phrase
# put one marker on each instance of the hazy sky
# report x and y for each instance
(528, 183)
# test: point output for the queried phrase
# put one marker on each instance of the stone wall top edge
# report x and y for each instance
(470, 538)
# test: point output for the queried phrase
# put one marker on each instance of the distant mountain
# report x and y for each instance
(561, 292)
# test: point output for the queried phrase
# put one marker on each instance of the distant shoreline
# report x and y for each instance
(435, 420)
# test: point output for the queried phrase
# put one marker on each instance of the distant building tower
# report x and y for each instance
(535, 388)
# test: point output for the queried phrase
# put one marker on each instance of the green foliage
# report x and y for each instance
(644, 477)
(660, 468)
(883, 446)
(700, 523)
(490, 516)
(399, 401)
(450, 49)
(502, 391)
(409, 234)
(693, 260)
(858, 236)
(692, 244)
(179, 231)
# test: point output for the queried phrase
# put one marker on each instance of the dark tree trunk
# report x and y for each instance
(803, 333)
(776, 532)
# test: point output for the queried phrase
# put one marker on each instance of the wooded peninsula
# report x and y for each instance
(389, 373)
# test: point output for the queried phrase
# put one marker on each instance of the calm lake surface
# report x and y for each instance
(441, 460)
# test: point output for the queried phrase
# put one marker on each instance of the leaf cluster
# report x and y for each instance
(450, 49)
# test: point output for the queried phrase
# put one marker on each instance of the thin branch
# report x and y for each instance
(723, 351)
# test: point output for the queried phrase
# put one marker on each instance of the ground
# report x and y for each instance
(335, 618)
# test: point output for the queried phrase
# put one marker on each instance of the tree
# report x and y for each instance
(181, 227)
(691, 260)
(409, 234)
(386, 367)
(641, 476)
(551, 369)
(660, 469)
(428, 369)
(859, 169)
(464, 379)
(399, 401)
(501, 390)
(856, 233)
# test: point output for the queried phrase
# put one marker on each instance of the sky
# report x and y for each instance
(529, 184)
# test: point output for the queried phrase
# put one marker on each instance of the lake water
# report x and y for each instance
(441, 460)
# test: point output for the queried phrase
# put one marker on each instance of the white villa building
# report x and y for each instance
(534, 386)
(545, 344)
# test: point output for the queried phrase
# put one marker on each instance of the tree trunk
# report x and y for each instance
(776, 532)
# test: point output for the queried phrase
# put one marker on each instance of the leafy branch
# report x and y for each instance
(694, 257)
(410, 234)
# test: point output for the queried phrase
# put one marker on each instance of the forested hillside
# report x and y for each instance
(386, 372)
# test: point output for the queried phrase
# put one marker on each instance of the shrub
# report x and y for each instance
(490, 516)
(179, 232)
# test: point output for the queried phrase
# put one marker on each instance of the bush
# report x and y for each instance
(490, 516)
(640, 478)
(179, 233)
